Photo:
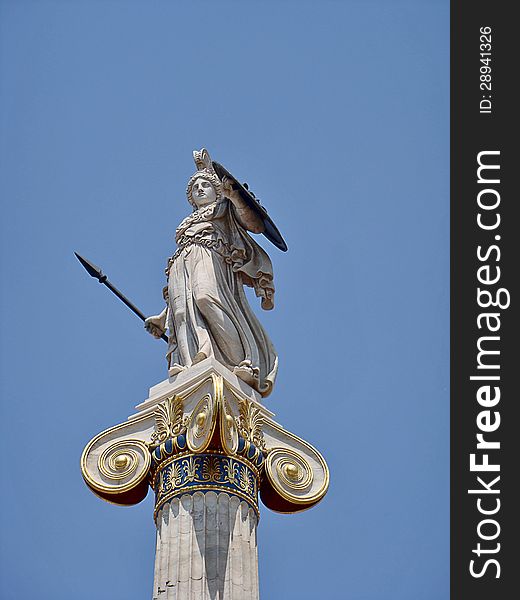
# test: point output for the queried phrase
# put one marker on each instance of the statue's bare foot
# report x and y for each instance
(246, 372)
(199, 357)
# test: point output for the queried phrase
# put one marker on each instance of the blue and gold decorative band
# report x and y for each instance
(251, 452)
(168, 448)
(209, 472)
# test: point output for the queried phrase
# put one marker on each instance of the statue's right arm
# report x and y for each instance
(156, 325)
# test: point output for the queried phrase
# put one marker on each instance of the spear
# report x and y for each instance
(96, 272)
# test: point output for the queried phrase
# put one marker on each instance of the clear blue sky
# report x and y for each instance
(337, 115)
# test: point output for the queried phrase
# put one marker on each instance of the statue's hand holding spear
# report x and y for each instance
(156, 325)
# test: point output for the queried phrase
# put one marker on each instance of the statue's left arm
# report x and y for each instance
(248, 218)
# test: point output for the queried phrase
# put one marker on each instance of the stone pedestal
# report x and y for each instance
(207, 446)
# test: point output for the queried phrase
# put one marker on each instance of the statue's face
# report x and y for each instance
(203, 193)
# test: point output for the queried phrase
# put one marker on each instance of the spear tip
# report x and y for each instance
(91, 268)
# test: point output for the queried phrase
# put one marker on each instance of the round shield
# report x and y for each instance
(270, 230)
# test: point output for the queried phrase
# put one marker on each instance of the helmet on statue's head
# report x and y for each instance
(205, 171)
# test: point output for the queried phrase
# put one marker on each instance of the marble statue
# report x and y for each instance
(202, 439)
(207, 313)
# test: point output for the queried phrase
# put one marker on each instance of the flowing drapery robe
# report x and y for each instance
(208, 311)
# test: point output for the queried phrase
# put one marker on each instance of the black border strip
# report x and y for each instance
(474, 132)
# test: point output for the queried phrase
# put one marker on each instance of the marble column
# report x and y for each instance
(206, 549)
(209, 449)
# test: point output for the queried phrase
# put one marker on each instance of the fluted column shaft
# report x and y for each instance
(206, 549)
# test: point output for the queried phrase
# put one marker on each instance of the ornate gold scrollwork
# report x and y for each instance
(292, 477)
(228, 428)
(201, 424)
(211, 469)
(190, 465)
(120, 467)
(118, 461)
(232, 470)
(250, 423)
(169, 420)
(294, 472)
